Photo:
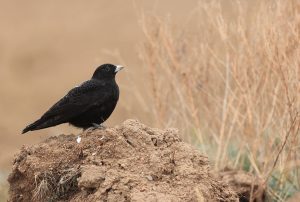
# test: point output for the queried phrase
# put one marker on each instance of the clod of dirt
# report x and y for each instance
(248, 187)
(131, 162)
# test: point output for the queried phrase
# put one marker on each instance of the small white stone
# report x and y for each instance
(78, 139)
(149, 177)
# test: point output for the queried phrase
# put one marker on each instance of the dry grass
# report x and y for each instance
(52, 186)
(231, 81)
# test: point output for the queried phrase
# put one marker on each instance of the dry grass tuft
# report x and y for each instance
(44, 186)
(231, 81)
(56, 185)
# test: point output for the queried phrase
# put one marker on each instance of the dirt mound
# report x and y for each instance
(130, 162)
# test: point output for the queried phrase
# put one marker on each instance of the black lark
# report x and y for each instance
(87, 105)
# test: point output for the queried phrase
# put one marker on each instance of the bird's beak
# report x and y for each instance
(119, 67)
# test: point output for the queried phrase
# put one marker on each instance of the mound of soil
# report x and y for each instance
(131, 162)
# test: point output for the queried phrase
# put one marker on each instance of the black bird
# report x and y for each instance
(85, 106)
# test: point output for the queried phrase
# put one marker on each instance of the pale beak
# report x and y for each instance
(119, 67)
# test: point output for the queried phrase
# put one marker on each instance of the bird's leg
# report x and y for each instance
(95, 126)
(100, 126)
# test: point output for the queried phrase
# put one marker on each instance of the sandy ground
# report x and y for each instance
(46, 48)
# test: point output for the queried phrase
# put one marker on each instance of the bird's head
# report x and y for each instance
(106, 71)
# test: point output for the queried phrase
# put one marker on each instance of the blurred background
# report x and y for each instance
(49, 47)
(226, 73)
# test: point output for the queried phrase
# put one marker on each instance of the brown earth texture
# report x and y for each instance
(130, 162)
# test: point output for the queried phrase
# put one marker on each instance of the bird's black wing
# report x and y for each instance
(78, 100)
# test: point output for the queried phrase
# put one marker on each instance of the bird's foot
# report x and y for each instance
(95, 126)
(98, 126)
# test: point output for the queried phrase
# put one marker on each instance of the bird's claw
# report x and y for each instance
(96, 126)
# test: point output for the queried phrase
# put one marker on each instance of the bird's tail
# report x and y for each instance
(34, 126)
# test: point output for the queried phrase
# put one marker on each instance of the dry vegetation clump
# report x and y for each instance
(231, 81)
